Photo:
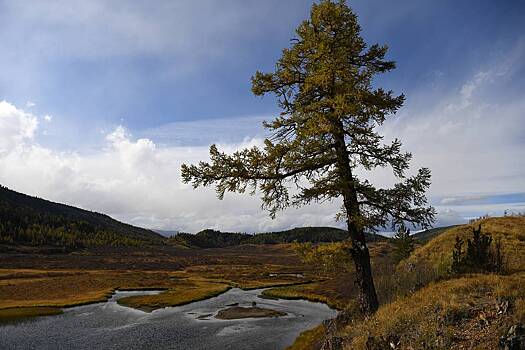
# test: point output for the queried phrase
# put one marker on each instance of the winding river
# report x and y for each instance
(111, 326)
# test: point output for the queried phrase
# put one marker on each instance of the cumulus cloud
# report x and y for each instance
(16, 127)
(138, 182)
(471, 138)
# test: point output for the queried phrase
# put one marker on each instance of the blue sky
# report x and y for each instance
(104, 100)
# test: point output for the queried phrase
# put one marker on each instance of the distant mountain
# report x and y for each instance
(35, 221)
(217, 239)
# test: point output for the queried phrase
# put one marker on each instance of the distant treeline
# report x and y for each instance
(26, 220)
(34, 221)
(217, 239)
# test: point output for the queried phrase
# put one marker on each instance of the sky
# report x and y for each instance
(102, 101)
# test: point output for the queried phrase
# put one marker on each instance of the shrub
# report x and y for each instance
(478, 257)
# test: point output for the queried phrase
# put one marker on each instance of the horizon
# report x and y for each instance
(101, 103)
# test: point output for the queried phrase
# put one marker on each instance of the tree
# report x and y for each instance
(325, 137)
(478, 257)
(478, 249)
(403, 242)
(457, 256)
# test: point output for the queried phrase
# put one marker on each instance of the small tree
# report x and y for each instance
(478, 250)
(479, 255)
(326, 137)
(457, 256)
(403, 243)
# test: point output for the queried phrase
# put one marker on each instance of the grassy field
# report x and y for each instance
(427, 308)
(185, 276)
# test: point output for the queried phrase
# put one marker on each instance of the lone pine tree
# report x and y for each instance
(325, 136)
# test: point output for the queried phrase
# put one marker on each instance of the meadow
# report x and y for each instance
(423, 305)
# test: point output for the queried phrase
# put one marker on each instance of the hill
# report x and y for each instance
(433, 308)
(216, 239)
(509, 230)
(427, 235)
(38, 222)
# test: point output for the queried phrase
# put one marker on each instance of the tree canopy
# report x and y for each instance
(325, 135)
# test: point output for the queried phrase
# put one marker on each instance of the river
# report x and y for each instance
(111, 326)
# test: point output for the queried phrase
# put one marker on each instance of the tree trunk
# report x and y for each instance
(359, 251)
(364, 280)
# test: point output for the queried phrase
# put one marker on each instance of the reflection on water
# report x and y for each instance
(111, 326)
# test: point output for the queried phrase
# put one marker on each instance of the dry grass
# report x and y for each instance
(248, 267)
(30, 288)
(309, 340)
(17, 313)
(510, 230)
(328, 292)
(65, 288)
(427, 312)
(185, 292)
(453, 314)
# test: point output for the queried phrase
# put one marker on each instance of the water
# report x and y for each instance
(111, 326)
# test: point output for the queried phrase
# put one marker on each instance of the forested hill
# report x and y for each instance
(216, 239)
(35, 221)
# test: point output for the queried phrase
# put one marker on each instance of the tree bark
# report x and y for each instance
(359, 250)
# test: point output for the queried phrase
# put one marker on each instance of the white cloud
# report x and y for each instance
(48, 118)
(462, 199)
(471, 139)
(138, 182)
(16, 127)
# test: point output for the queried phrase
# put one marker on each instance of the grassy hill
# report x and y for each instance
(441, 310)
(510, 230)
(35, 221)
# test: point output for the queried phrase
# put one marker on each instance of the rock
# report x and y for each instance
(502, 308)
(514, 339)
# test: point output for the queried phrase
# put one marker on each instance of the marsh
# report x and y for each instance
(193, 326)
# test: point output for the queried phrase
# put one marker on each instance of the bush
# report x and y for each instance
(479, 255)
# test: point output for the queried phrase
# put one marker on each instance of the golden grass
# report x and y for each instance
(510, 230)
(260, 266)
(309, 340)
(322, 291)
(17, 313)
(447, 314)
(185, 292)
(37, 288)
